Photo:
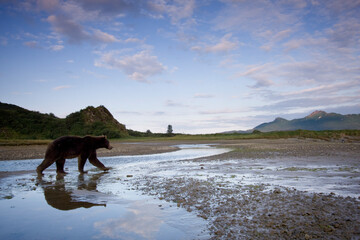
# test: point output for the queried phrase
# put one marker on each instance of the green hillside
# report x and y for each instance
(17, 122)
(316, 121)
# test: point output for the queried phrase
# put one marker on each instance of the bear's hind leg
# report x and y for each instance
(60, 165)
(44, 165)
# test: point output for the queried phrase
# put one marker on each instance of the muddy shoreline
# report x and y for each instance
(119, 149)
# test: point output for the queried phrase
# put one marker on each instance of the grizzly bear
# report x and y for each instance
(70, 147)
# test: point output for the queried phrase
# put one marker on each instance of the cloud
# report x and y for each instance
(76, 32)
(350, 109)
(256, 17)
(314, 102)
(42, 42)
(296, 43)
(3, 41)
(106, 9)
(339, 8)
(48, 5)
(325, 96)
(203, 95)
(251, 70)
(95, 74)
(133, 40)
(221, 111)
(271, 22)
(56, 47)
(324, 90)
(111, 7)
(138, 67)
(58, 88)
(69, 28)
(129, 113)
(301, 73)
(259, 73)
(177, 10)
(273, 38)
(225, 45)
(345, 33)
(316, 71)
(104, 37)
(32, 44)
(171, 103)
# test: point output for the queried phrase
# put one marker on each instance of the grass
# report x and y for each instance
(322, 135)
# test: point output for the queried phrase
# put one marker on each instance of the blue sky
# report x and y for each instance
(201, 66)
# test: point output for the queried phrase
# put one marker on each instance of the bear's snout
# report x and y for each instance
(110, 147)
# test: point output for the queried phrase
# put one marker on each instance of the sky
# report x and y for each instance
(201, 66)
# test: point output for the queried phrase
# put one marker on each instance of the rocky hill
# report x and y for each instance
(17, 122)
(318, 120)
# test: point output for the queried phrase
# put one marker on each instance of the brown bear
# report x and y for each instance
(71, 147)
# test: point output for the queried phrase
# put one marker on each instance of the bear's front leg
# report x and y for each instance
(60, 166)
(94, 161)
(81, 163)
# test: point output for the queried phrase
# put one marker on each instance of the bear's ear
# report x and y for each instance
(104, 136)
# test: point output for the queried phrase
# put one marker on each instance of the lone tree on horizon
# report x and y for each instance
(169, 131)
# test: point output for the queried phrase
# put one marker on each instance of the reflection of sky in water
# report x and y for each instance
(95, 205)
(140, 219)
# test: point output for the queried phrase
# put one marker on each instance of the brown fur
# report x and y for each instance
(71, 147)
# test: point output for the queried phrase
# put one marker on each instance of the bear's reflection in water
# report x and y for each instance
(61, 197)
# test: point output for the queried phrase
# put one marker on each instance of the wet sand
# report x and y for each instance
(219, 189)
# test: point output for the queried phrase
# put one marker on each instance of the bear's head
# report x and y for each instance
(105, 143)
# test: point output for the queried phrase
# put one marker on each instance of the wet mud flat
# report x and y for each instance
(253, 189)
(280, 189)
(260, 211)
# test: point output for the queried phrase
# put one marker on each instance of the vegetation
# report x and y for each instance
(19, 126)
(19, 123)
(323, 135)
(169, 131)
(348, 135)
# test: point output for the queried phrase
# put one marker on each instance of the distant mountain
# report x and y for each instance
(17, 122)
(318, 120)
